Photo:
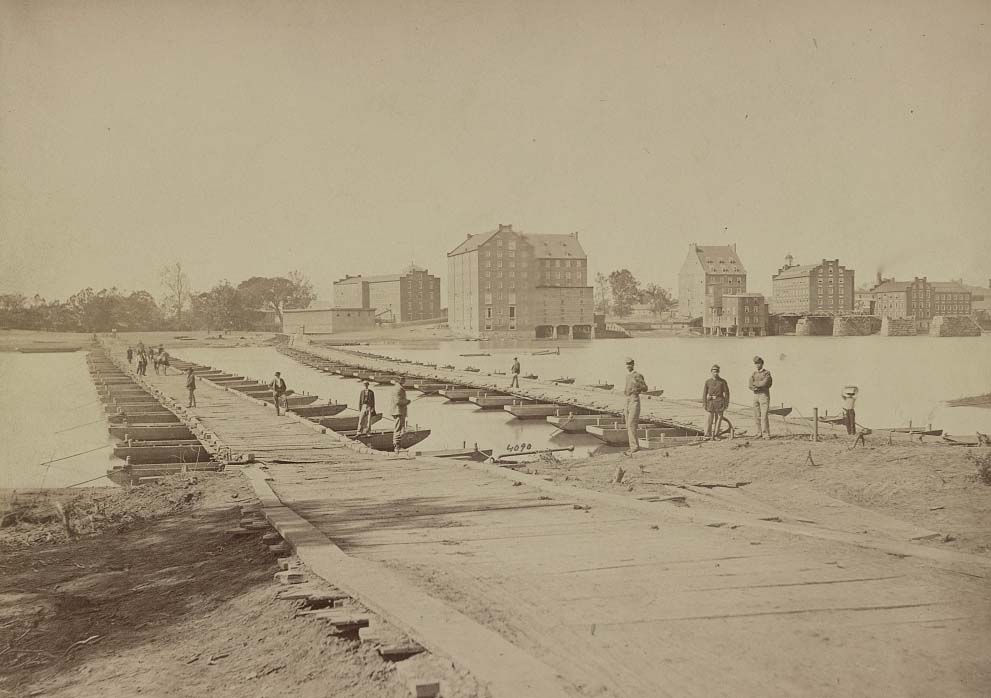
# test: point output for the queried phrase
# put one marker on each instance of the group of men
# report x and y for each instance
(400, 412)
(715, 399)
(158, 357)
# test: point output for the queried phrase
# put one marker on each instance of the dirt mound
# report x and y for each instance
(45, 517)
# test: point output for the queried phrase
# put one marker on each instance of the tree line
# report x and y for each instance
(179, 307)
(617, 293)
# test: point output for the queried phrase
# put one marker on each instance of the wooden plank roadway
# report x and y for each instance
(619, 602)
(679, 412)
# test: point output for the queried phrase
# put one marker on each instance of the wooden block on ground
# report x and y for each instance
(285, 563)
(280, 549)
(289, 577)
(424, 688)
(272, 538)
(399, 651)
(257, 525)
(343, 621)
(247, 523)
(326, 599)
(303, 591)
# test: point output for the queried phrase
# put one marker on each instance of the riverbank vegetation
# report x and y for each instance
(254, 304)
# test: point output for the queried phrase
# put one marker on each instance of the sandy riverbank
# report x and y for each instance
(935, 487)
(167, 604)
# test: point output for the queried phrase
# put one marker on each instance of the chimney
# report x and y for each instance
(469, 236)
(575, 235)
(879, 278)
(508, 228)
(789, 260)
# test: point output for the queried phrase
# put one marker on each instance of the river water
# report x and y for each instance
(51, 410)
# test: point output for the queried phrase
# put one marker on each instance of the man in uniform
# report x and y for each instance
(278, 386)
(400, 413)
(366, 408)
(515, 370)
(760, 384)
(715, 398)
(635, 385)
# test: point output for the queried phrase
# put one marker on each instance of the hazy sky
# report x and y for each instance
(250, 138)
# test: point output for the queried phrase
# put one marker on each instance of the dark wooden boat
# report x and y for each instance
(546, 352)
(566, 381)
(318, 410)
(654, 393)
(382, 440)
(967, 440)
(476, 354)
(601, 386)
(342, 423)
(139, 474)
(472, 369)
(448, 367)
(780, 411)
(184, 453)
(531, 376)
(915, 431)
(47, 350)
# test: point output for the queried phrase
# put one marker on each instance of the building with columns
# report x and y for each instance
(525, 284)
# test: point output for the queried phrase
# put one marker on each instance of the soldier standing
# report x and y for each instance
(515, 370)
(760, 384)
(849, 395)
(635, 385)
(400, 414)
(715, 398)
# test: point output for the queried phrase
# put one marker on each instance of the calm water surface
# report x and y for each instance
(51, 410)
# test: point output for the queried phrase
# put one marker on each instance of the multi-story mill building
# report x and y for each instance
(812, 289)
(505, 281)
(709, 271)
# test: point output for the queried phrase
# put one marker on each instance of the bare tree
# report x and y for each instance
(176, 296)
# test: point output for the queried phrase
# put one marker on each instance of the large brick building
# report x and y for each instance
(412, 295)
(708, 270)
(812, 289)
(526, 284)
(920, 299)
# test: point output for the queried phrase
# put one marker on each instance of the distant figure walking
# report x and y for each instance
(715, 399)
(163, 360)
(760, 384)
(849, 395)
(156, 361)
(191, 386)
(635, 384)
(142, 363)
(366, 410)
(130, 355)
(400, 413)
(515, 370)
(278, 386)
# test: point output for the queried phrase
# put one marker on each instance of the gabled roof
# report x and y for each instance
(555, 246)
(558, 246)
(473, 242)
(793, 272)
(719, 259)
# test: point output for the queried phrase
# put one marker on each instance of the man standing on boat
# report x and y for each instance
(278, 386)
(715, 398)
(191, 386)
(366, 409)
(400, 413)
(515, 370)
(635, 384)
(760, 384)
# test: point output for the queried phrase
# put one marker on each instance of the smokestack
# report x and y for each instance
(879, 277)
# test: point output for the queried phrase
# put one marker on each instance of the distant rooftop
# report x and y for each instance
(719, 259)
(544, 245)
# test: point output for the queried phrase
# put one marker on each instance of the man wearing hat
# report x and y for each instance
(278, 386)
(635, 384)
(366, 408)
(760, 384)
(400, 413)
(515, 370)
(715, 398)
(849, 395)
